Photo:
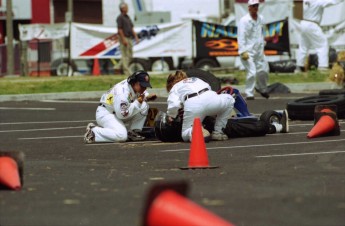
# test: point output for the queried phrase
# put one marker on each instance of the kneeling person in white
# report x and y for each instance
(197, 100)
(125, 103)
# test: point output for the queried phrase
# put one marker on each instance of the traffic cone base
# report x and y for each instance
(326, 123)
(198, 167)
(198, 158)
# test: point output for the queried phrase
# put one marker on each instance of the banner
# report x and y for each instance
(163, 40)
(214, 40)
(43, 31)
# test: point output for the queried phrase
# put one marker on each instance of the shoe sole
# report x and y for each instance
(287, 121)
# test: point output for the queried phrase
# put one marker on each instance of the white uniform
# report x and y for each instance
(119, 106)
(207, 103)
(312, 36)
(251, 39)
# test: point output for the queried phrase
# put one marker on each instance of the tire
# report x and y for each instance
(332, 91)
(62, 67)
(303, 108)
(270, 116)
(206, 76)
(161, 64)
(138, 64)
(206, 64)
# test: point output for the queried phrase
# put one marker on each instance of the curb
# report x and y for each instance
(295, 88)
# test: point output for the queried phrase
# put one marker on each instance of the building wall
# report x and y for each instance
(40, 11)
(84, 11)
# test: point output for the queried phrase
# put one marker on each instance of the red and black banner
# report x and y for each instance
(214, 40)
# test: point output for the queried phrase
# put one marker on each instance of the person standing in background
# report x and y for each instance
(312, 36)
(251, 44)
(126, 34)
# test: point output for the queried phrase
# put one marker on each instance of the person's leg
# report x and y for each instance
(221, 108)
(110, 128)
(262, 74)
(303, 45)
(250, 77)
(126, 52)
(194, 107)
(320, 43)
(138, 120)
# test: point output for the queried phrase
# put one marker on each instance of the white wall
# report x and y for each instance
(19, 8)
(199, 9)
(180, 8)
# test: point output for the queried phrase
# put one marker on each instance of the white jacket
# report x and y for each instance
(250, 34)
(122, 100)
(313, 9)
(180, 90)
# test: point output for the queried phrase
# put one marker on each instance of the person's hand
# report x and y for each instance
(245, 56)
(141, 98)
(137, 40)
(170, 120)
(124, 42)
(151, 97)
(330, 33)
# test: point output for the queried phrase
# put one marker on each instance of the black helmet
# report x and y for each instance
(165, 131)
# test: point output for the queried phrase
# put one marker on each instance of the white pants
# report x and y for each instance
(208, 103)
(112, 129)
(312, 38)
(257, 73)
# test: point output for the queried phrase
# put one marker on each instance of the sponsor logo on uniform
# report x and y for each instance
(124, 108)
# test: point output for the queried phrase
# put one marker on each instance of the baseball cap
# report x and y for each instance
(144, 79)
(253, 2)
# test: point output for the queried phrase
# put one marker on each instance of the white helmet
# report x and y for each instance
(253, 2)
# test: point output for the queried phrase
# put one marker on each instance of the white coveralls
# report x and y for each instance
(251, 39)
(312, 36)
(208, 103)
(118, 106)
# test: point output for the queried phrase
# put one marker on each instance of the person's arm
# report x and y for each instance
(174, 104)
(326, 3)
(124, 108)
(135, 35)
(241, 39)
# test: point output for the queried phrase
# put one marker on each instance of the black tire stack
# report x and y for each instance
(303, 108)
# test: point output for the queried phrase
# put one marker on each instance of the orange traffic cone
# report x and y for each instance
(95, 70)
(198, 158)
(9, 174)
(170, 208)
(326, 124)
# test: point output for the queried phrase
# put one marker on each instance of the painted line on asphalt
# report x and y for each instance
(261, 145)
(292, 133)
(53, 122)
(42, 138)
(30, 109)
(300, 154)
(46, 129)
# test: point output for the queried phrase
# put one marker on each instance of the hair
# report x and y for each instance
(122, 5)
(174, 78)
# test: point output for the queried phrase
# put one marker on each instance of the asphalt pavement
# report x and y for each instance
(278, 179)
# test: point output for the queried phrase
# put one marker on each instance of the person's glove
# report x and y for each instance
(141, 98)
(245, 56)
(151, 97)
